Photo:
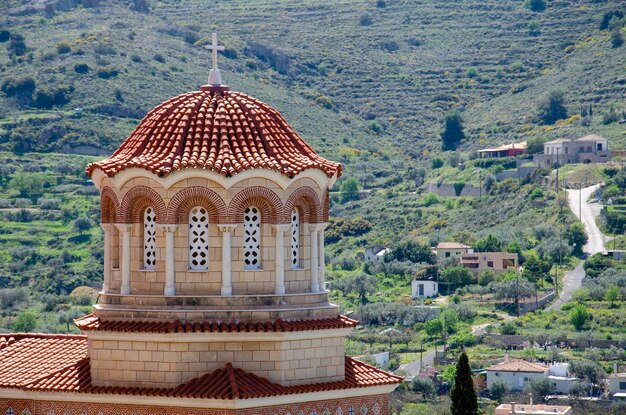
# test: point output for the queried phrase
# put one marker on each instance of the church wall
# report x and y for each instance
(128, 362)
(358, 405)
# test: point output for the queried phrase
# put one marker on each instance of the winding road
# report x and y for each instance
(587, 212)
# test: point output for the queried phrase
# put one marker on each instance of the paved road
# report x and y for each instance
(587, 212)
(413, 368)
(590, 210)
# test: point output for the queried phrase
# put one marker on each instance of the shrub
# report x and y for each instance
(48, 204)
(106, 73)
(579, 316)
(135, 58)
(48, 98)
(459, 276)
(437, 163)
(159, 58)
(533, 28)
(499, 389)
(17, 45)
(458, 188)
(105, 50)
(26, 322)
(5, 35)
(508, 328)
(349, 189)
(81, 68)
(536, 5)
(63, 48)
(365, 20)
(471, 73)
(391, 46)
(381, 4)
(539, 388)
(19, 87)
(431, 199)
(410, 250)
(81, 225)
(425, 386)
(604, 24)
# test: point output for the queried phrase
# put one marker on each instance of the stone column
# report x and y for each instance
(280, 230)
(125, 265)
(322, 260)
(315, 286)
(227, 283)
(106, 285)
(170, 274)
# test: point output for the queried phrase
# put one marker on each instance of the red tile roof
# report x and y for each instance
(519, 365)
(214, 129)
(91, 322)
(59, 364)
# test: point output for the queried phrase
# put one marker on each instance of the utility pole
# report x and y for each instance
(422, 354)
(580, 202)
(557, 171)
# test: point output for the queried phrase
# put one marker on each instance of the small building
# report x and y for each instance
(498, 262)
(507, 150)
(447, 250)
(375, 253)
(617, 385)
(425, 288)
(560, 377)
(530, 409)
(587, 149)
(515, 372)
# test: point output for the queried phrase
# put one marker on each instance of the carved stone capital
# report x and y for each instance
(281, 228)
(168, 227)
(227, 227)
(124, 227)
(317, 227)
(107, 227)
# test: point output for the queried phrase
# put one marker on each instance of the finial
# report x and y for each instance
(215, 78)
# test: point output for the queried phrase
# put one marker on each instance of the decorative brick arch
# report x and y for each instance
(185, 200)
(263, 198)
(326, 205)
(307, 202)
(137, 200)
(109, 205)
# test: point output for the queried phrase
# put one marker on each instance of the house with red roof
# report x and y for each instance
(515, 372)
(213, 301)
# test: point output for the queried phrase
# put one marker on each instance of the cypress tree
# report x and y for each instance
(463, 395)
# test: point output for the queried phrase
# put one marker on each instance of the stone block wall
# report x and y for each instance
(167, 363)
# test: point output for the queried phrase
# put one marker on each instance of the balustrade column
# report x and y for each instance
(125, 229)
(280, 257)
(170, 269)
(227, 284)
(106, 284)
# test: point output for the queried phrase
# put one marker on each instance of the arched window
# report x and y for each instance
(295, 239)
(198, 239)
(252, 238)
(149, 239)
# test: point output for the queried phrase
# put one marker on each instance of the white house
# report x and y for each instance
(617, 385)
(559, 375)
(424, 288)
(515, 372)
(530, 409)
(375, 253)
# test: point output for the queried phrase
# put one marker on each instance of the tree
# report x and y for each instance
(463, 395)
(611, 294)
(514, 289)
(579, 316)
(361, 284)
(552, 108)
(486, 277)
(515, 248)
(410, 250)
(488, 244)
(499, 389)
(28, 184)
(67, 317)
(588, 371)
(460, 276)
(536, 269)
(434, 327)
(452, 133)
(425, 386)
(535, 145)
(576, 236)
(26, 322)
(81, 225)
(539, 387)
(349, 189)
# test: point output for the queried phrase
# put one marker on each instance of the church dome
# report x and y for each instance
(214, 129)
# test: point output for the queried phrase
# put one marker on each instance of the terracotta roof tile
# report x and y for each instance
(519, 365)
(59, 364)
(214, 129)
(91, 322)
(451, 245)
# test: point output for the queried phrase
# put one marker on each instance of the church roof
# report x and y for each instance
(214, 129)
(94, 323)
(59, 363)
